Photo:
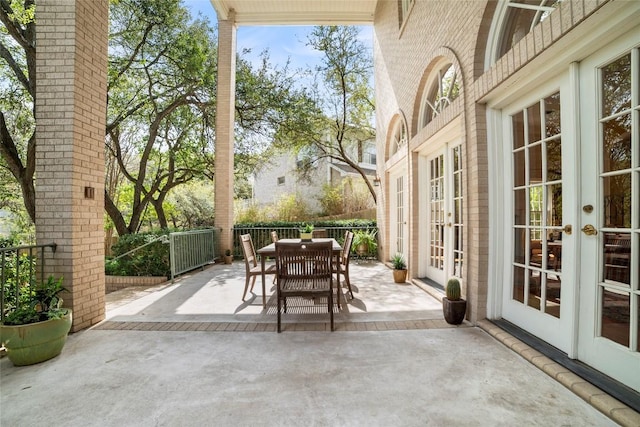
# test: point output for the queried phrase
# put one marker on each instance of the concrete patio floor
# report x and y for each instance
(193, 354)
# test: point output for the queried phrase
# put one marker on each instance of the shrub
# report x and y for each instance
(151, 260)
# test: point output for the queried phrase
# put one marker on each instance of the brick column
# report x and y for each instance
(71, 73)
(225, 109)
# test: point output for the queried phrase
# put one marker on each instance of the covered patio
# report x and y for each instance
(211, 300)
(192, 353)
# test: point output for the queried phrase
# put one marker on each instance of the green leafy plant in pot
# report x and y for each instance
(306, 232)
(36, 329)
(228, 256)
(454, 307)
(364, 242)
(399, 268)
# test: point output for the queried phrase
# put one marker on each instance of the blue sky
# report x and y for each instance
(283, 42)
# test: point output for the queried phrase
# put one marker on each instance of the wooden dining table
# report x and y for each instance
(270, 251)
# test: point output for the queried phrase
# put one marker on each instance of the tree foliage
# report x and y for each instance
(17, 95)
(340, 120)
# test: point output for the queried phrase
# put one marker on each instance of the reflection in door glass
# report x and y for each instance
(616, 192)
(537, 205)
(615, 318)
(619, 238)
(617, 258)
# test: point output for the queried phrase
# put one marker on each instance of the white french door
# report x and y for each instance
(444, 254)
(609, 331)
(398, 230)
(540, 153)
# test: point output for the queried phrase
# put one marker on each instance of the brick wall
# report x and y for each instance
(71, 62)
(457, 30)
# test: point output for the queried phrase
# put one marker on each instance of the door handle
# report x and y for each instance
(568, 229)
(589, 230)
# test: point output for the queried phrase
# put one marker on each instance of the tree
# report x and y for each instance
(17, 95)
(342, 122)
(161, 100)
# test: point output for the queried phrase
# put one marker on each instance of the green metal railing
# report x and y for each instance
(261, 236)
(20, 267)
(192, 249)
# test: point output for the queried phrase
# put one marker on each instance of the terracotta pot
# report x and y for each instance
(228, 259)
(35, 342)
(454, 311)
(400, 276)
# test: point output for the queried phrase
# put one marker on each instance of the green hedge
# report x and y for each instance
(151, 260)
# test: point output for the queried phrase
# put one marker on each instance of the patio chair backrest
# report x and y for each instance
(274, 236)
(249, 251)
(346, 247)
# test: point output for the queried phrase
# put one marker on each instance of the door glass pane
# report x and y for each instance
(554, 160)
(518, 284)
(519, 245)
(552, 300)
(519, 168)
(555, 255)
(518, 130)
(616, 86)
(535, 206)
(615, 318)
(520, 207)
(534, 126)
(616, 147)
(552, 115)
(616, 191)
(617, 258)
(554, 205)
(535, 164)
(535, 288)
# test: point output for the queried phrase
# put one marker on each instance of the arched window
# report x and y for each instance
(399, 137)
(442, 88)
(513, 20)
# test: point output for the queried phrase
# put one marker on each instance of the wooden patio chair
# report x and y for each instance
(253, 267)
(274, 236)
(320, 233)
(344, 260)
(304, 269)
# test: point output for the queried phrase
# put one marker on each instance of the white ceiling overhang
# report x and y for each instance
(296, 12)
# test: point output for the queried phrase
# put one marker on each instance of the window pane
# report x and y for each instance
(617, 257)
(536, 249)
(552, 303)
(554, 160)
(519, 245)
(554, 205)
(616, 144)
(519, 169)
(535, 289)
(518, 130)
(616, 318)
(535, 164)
(520, 207)
(533, 123)
(518, 284)
(617, 200)
(555, 255)
(616, 86)
(552, 115)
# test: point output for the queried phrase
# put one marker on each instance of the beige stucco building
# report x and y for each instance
(508, 146)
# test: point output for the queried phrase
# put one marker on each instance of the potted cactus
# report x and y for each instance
(454, 307)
